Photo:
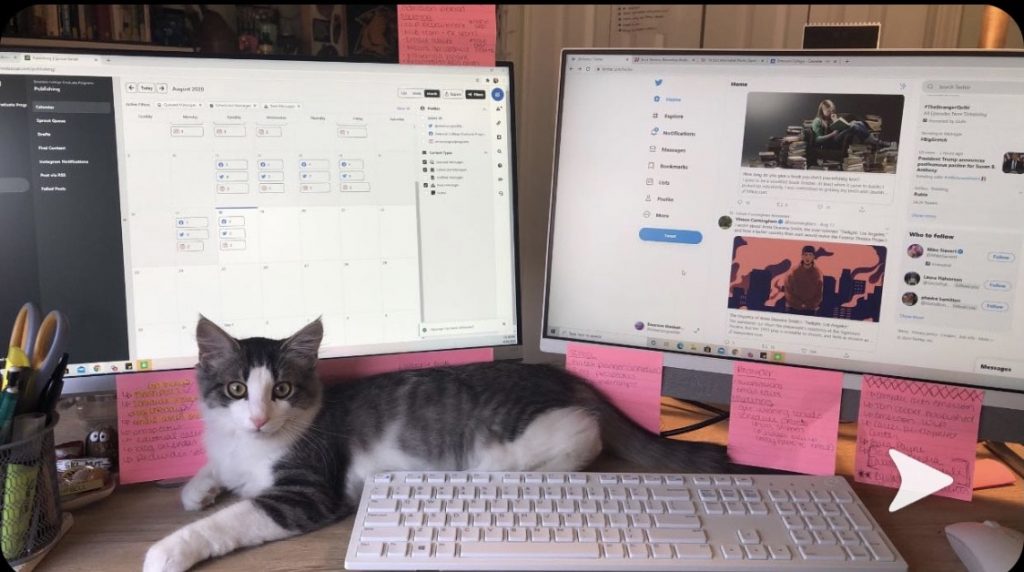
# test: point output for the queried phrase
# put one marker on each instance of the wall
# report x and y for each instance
(532, 37)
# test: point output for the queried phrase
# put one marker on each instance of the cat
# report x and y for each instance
(298, 452)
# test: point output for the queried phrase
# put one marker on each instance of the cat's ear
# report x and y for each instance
(303, 347)
(215, 345)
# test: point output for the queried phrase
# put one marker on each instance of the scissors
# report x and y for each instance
(46, 352)
(23, 335)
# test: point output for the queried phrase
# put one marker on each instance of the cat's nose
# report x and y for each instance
(258, 422)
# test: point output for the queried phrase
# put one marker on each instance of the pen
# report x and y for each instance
(8, 401)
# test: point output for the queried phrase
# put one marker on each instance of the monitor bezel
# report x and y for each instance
(103, 382)
(724, 364)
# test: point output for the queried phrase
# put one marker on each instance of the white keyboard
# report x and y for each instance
(614, 521)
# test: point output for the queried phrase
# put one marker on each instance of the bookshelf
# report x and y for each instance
(101, 26)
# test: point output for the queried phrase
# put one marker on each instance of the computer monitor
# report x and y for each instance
(138, 191)
(700, 208)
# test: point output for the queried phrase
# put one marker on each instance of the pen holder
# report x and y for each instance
(30, 514)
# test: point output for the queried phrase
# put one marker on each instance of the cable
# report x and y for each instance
(720, 415)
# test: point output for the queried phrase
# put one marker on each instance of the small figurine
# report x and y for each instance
(102, 442)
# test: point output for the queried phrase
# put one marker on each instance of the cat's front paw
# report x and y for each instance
(199, 494)
(167, 556)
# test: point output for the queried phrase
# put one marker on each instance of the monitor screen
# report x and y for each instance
(855, 211)
(140, 191)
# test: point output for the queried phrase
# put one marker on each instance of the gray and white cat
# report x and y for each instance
(298, 452)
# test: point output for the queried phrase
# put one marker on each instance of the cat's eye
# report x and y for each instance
(282, 390)
(236, 389)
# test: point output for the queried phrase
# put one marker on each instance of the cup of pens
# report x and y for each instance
(32, 379)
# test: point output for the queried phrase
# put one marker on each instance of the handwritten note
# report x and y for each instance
(639, 18)
(933, 423)
(447, 34)
(631, 379)
(785, 417)
(160, 428)
(365, 366)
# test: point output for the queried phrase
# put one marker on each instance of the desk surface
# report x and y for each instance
(115, 533)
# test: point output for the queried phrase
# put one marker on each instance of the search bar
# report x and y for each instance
(993, 87)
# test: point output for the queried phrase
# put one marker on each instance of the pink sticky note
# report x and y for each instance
(631, 379)
(159, 426)
(447, 34)
(364, 366)
(785, 418)
(933, 423)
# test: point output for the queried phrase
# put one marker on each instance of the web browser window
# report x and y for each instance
(855, 212)
(142, 191)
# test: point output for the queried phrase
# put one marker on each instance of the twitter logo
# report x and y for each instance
(657, 82)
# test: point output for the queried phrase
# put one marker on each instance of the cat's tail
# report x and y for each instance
(626, 439)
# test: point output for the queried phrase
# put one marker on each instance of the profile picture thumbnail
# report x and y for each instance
(909, 298)
(912, 278)
(915, 250)
(1013, 162)
(639, 325)
(724, 222)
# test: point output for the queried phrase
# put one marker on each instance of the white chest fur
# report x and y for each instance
(241, 461)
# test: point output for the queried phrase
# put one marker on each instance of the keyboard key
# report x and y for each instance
(779, 552)
(479, 478)
(722, 480)
(630, 479)
(714, 508)
(436, 478)
(458, 478)
(617, 493)
(455, 506)
(650, 479)
(528, 520)
(381, 520)
(423, 534)
(778, 495)
(793, 522)
(824, 537)
(387, 534)
(447, 534)
(573, 520)
(756, 552)
(785, 508)
(802, 537)
(444, 550)
(748, 536)
(674, 480)
(757, 508)
(653, 507)
(807, 508)
(670, 493)
(530, 550)
(488, 492)
(631, 507)
(634, 536)
(517, 534)
(446, 492)
(499, 506)
(676, 521)
(637, 551)
(550, 520)
(470, 533)
(829, 509)
(842, 496)
(458, 519)
(744, 481)
(609, 506)
(380, 492)
(397, 550)
(676, 535)
(586, 534)
(504, 520)
(823, 552)
(816, 523)
(858, 552)
(539, 534)
(433, 506)
(414, 478)
(381, 506)
(492, 534)
(857, 517)
(606, 479)
(661, 551)
(533, 478)
(735, 507)
(799, 495)
(531, 492)
(820, 496)
(750, 495)
(557, 478)
(422, 550)
(614, 551)
(565, 506)
(553, 492)
(729, 494)
(639, 520)
(544, 506)
(682, 507)
(578, 478)
(484, 519)
(383, 478)
(848, 537)
(574, 493)
(692, 551)
(732, 552)
(610, 534)
(409, 506)
(401, 493)
(370, 549)
(565, 535)
(878, 547)
(838, 522)
(707, 494)
(702, 481)
(587, 507)
(414, 520)
(423, 492)
(521, 506)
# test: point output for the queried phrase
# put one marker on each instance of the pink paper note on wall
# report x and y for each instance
(785, 418)
(159, 426)
(933, 423)
(630, 378)
(447, 34)
(365, 366)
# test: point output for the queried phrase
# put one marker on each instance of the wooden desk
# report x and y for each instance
(114, 534)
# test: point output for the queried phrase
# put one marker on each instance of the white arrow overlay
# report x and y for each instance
(917, 480)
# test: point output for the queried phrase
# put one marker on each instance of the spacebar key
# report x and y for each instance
(530, 549)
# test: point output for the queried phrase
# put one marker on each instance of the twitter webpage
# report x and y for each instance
(859, 213)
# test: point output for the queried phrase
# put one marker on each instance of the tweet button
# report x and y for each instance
(671, 235)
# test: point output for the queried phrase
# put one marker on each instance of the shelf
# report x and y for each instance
(88, 45)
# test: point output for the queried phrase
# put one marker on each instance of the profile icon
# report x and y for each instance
(912, 278)
(909, 298)
(639, 325)
(724, 222)
(915, 250)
